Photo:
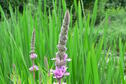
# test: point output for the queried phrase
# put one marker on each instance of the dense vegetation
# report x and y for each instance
(97, 49)
(87, 4)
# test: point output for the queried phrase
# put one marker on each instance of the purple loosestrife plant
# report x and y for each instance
(33, 55)
(61, 56)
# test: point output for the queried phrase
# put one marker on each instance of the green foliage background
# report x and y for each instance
(97, 51)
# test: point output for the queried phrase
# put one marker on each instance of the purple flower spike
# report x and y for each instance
(34, 68)
(33, 56)
(61, 56)
(66, 59)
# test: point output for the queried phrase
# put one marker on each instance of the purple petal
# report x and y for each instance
(65, 57)
(34, 68)
(67, 74)
(33, 56)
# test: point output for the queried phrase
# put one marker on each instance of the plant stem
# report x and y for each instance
(33, 70)
(60, 81)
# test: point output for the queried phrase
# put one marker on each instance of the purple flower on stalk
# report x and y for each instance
(61, 57)
(33, 55)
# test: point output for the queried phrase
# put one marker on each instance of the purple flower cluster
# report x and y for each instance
(33, 56)
(60, 70)
(33, 67)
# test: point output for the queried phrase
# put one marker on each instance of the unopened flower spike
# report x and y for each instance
(61, 56)
(33, 55)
